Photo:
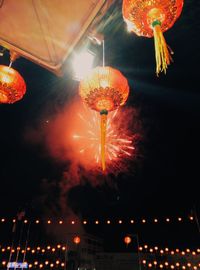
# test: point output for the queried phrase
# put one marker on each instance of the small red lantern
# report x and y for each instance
(104, 89)
(12, 85)
(150, 18)
(127, 240)
(77, 240)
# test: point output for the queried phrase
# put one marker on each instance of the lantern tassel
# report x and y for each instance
(162, 53)
(103, 114)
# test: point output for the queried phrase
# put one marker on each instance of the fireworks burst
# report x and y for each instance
(119, 140)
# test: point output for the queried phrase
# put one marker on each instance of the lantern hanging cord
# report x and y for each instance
(103, 45)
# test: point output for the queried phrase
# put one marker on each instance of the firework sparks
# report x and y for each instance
(119, 141)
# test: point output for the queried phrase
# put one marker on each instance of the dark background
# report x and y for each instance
(163, 181)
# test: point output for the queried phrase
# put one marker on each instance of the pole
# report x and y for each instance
(138, 251)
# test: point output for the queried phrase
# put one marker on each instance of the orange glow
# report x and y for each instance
(77, 240)
(12, 85)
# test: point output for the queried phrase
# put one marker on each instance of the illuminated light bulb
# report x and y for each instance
(193, 253)
(62, 264)
(155, 220)
(167, 219)
(179, 219)
(84, 222)
(144, 261)
(53, 250)
(132, 221)
(189, 264)
(57, 262)
(41, 265)
(96, 222)
(58, 246)
(108, 221)
(166, 249)
(150, 265)
(172, 252)
(191, 218)
(32, 251)
(195, 267)
(177, 264)
(120, 221)
(82, 64)
(151, 249)
(43, 250)
(13, 251)
(161, 251)
(188, 250)
(140, 248)
(36, 263)
(51, 265)
(49, 221)
(73, 222)
(28, 248)
(183, 267)
(37, 221)
(161, 265)
(14, 220)
(3, 220)
(198, 250)
(38, 248)
(183, 252)
(22, 251)
(18, 248)
(60, 222)
(8, 248)
(143, 221)
(156, 248)
(155, 263)
(63, 248)
(46, 262)
(172, 266)
(3, 250)
(177, 250)
(145, 246)
(25, 221)
(4, 262)
(48, 247)
(166, 263)
(30, 265)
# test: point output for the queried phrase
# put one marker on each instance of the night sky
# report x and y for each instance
(162, 180)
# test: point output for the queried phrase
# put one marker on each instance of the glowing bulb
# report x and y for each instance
(82, 64)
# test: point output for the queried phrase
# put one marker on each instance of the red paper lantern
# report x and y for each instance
(150, 18)
(77, 240)
(127, 240)
(103, 90)
(12, 85)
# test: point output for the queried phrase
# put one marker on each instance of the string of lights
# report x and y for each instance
(166, 250)
(41, 264)
(149, 264)
(170, 265)
(107, 221)
(144, 249)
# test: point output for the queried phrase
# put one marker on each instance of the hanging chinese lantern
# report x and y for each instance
(12, 85)
(127, 240)
(77, 240)
(150, 18)
(104, 89)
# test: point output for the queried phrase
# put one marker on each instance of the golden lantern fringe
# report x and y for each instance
(162, 53)
(103, 138)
